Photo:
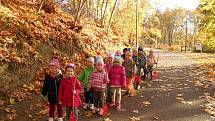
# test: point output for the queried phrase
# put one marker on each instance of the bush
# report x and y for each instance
(175, 48)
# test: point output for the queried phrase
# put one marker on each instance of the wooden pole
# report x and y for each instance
(137, 23)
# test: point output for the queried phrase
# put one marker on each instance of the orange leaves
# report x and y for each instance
(16, 59)
(11, 113)
(11, 116)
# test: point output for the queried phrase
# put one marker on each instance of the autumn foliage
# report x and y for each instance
(30, 38)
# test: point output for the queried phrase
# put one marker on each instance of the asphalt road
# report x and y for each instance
(176, 96)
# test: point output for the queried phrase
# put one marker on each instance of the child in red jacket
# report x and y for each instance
(117, 81)
(70, 88)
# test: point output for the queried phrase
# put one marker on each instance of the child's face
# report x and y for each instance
(150, 52)
(135, 53)
(116, 63)
(90, 64)
(110, 60)
(70, 72)
(53, 70)
(99, 67)
(129, 56)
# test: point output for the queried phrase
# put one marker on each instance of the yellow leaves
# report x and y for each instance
(38, 24)
(5, 12)
(107, 119)
(88, 113)
(11, 101)
(43, 112)
(28, 87)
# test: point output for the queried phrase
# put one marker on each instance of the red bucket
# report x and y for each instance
(154, 75)
(137, 78)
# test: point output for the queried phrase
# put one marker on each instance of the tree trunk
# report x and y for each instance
(170, 37)
(103, 15)
(81, 6)
(136, 23)
(109, 23)
(103, 1)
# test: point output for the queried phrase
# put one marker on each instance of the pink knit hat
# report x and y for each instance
(118, 53)
(71, 65)
(55, 63)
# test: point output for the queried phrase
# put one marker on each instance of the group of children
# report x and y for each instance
(100, 81)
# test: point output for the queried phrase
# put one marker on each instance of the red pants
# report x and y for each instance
(52, 110)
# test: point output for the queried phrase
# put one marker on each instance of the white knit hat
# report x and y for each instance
(110, 55)
(118, 59)
(99, 57)
(91, 59)
(100, 61)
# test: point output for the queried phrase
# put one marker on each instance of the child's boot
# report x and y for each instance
(112, 104)
(60, 119)
(138, 86)
(93, 111)
(85, 106)
(100, 111)
(91, 106)
(51, 119)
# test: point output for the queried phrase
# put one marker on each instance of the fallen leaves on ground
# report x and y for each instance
(145, 103)
(135, 111)
(179, 95)
(107, 119)
(11, 113)
(156, 118)
(133, 118)
(210, 105)
(179, 98)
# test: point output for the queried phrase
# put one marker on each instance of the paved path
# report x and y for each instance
(177, 96)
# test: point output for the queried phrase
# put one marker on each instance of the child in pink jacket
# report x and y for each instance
(117, 81)
(70, 88)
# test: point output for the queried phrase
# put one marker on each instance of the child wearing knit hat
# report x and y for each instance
(51, 88)
(108, 65)
(84, 77)
(98, 83)
(69, 92)
(130, 71)
(117, 81)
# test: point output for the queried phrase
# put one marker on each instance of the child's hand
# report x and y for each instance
(60, 103)
(88, 88)
(74, 92)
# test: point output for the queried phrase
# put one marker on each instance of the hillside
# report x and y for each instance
(28, 41)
